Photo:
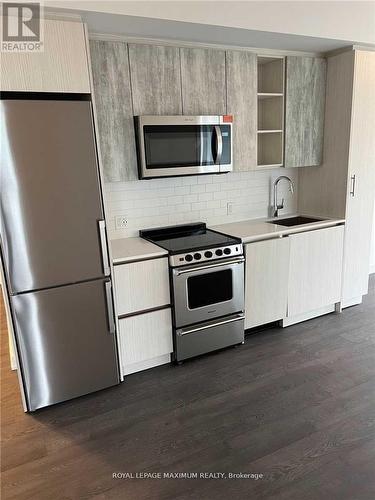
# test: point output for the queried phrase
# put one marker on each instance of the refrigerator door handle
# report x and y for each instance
(104, 248)
(110, 312)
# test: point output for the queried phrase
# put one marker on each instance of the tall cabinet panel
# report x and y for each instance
(242, 103)
(203, 81)
(304, 115)
(156, 79)
(344, 186)
(110, 68)
(61, 67)
(361, 180)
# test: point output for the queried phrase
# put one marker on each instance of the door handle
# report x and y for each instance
(185, 331)
(227, 262)
(352, 185)
(110, 311)
(104, 248)
(219, 142)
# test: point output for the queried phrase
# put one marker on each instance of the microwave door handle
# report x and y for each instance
(219, 144)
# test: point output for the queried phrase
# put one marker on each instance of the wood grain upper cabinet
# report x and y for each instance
(61, 67)
(304, 112)
(315, 269)
(203, 81)
(241, 83)
(114, 112)
(156, 79)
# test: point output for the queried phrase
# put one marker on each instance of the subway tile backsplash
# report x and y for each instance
(178, 200)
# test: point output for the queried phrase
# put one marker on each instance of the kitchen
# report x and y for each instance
(191, 197)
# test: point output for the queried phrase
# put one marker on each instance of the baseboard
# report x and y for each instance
(352, 302)
(309, 315)
(145, 365)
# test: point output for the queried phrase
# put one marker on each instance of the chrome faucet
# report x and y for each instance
(276, 206)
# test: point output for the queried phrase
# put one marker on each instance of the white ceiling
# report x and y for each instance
(313, 26)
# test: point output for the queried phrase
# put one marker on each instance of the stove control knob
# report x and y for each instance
(208, 254)
(219, 252)
(197, 256)
(188, 258)
(227, 251)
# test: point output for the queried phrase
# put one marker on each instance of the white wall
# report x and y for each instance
(161, 202)
(342, 20)
(372, 257)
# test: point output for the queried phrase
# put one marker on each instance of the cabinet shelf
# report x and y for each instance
(269, 131)
(270, 149)
(269, 95)
(269, 165)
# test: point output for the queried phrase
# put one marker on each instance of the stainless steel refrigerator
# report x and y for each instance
(54, 250)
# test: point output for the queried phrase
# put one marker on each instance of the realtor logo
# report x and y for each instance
(21, 27)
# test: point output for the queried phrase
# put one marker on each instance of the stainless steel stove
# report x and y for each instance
(207, 278)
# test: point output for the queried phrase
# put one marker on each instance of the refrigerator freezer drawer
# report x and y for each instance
(65, 345)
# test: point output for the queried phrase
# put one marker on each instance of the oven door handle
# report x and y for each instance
(185, 331)
(228, 262)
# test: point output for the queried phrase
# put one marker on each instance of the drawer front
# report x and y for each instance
(140, 286)
(145, 336)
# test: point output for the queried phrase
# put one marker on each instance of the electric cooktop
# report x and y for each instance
(184, 242)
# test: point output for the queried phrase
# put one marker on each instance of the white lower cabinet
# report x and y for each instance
(315, 270)
(266, 290)
(145, 340)
(141, 285)
(144, 314)
(293, 278)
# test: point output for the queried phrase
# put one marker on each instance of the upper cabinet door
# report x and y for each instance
(242, 104)
(61, 67)
(156, 80)
(203, 81)
(114, 111)
(304, 118)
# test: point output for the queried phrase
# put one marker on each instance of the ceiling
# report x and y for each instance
(142, 26)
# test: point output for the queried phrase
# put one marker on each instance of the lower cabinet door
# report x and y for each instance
(141, 285)
(145, 340)
(266, 281)
(315, 272)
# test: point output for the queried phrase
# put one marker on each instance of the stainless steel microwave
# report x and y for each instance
(169, 146)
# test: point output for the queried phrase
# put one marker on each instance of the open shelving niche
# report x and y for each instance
(271, 95)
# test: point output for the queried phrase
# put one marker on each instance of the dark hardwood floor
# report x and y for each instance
(296, 405)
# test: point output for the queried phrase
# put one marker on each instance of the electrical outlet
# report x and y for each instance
(121, 222)
(229, 208)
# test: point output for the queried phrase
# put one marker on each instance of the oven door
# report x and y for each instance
(170, 146)
(203, 292)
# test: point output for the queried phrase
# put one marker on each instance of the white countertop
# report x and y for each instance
(260, 229)
(130, 249)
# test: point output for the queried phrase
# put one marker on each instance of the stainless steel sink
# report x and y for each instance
(294, 221)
